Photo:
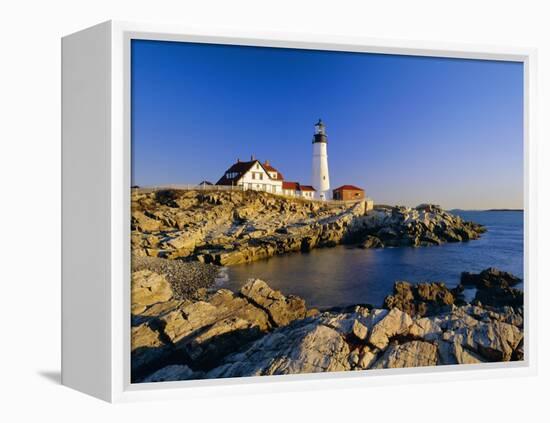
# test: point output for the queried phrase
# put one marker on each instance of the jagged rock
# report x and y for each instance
(423, 226)
(259, 331)
(409, 354)
(144, 223)
(426, 329)
(359, 330)
(489, 278)
(171, 373)
(223, 305)
(499, 297)
(371, 242)
(494, 287)
(282, 310)
(228, 228)
(301, 347)
(421, 299)
(394, 323)
(367, 357)
(149, 288)
(496, 341)
(147, 348)
(144, 336)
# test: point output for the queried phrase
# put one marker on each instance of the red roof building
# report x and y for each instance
(274, 173)
(257, 176)
(348, 192)
(295, 189)
(294, 186)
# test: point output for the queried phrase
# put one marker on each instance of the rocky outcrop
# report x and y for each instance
(260, 331)
(422, 299)
(408, 354)
(280, 309)
(231, 227)
(494, 287)
(228, 228)
(202, 332)
(149, 288)
(421, 226)
(489, 278)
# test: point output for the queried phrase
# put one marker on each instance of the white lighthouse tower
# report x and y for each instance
(319, 172)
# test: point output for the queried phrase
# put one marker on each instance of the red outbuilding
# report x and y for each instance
(348, 192)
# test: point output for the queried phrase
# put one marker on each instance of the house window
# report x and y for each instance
(261, 176)
(253, 175)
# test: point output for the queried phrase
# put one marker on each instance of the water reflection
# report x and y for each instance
(343, 275)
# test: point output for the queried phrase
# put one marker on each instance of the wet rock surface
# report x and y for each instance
(494, 287)
(261, 331)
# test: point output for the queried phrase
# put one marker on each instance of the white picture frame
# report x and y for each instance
(96, 161)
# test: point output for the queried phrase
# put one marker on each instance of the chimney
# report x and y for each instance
(266, 163)
(252, 158)
(238, 160)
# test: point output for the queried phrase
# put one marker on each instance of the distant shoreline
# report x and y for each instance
(486, 210)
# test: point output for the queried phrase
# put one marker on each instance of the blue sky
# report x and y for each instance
(406, 129)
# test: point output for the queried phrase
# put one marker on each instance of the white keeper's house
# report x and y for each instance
(258, 176)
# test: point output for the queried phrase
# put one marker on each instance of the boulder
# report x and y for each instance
(496, 341)
(371, 242)
(148, 350)
(394, 323)
(143, 223)
(425, 328)
(281, 310)
(359, 330)
(170, 373)
(301, 347)
(500, 297)
(489, 278)
(409, 354)
(367, 357)
(149, 288)
(421, 299)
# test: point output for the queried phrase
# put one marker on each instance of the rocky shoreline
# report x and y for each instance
(261, 331)
(227, 228)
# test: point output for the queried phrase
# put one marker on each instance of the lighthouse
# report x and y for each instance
(319, 172)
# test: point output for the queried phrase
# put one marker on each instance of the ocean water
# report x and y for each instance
(345, 275)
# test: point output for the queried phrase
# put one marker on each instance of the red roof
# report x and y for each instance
(348, 188)
(296, 186)
(270, 168)
(291, 185)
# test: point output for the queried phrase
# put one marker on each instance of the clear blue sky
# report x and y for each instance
(407, 129)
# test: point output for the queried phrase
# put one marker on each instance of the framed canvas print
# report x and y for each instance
(248, 212)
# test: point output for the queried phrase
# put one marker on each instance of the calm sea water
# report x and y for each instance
(344, 275)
